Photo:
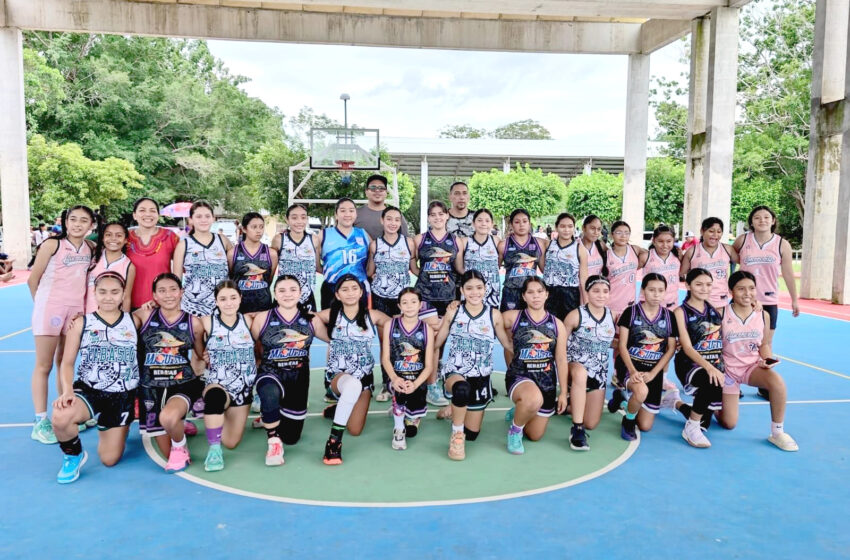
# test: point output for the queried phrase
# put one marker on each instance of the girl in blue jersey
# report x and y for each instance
(299, 253)
(344, 250)
(252, 265)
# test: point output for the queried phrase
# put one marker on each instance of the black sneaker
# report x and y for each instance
(411, 427)
(578, 439)
(617, 399)
(333, 452)
(329, 412)
(764, 393)
(627, 431)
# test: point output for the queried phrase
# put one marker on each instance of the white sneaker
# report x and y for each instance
(399, 439)
(434, 396)
(694, 436)
(257, 423)
(255, 405)
(383, 396)
(669, 399)
(274, 455)
(444, 413)
(784, 442)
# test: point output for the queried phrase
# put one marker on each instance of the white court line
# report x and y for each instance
(17, 351)
(829, 371)
(815, 401)
(10, 335)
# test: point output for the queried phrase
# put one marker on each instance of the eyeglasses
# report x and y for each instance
(621, 232)
(378, 188)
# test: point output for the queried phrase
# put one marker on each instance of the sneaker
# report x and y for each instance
(274, 455)
(444, 413)
(333, 452)
(784, 442)
(694, 436)
(189, 428)
(42, 432)
(255, 406)
(616, 402)
(411, 427)
(457, 451)
(669, 399)
(399, 441)
(215, 460)
(627, 432)
(434, 396)
(329, 396)
(514, 442)
(257, 423)
(178, 459)
(82, 427)
(578, 439)
(509, 415)
(71, 465)
(329, 412)
(91, 423)
(384, 395)
(705, 421)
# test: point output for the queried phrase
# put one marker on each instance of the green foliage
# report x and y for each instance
(462, 131)
(665, 191)
(528, 130)
(43, 88)
(541, 194)
(61, 176)
(598, 193)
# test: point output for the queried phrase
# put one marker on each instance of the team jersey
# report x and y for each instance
(253, 275)
(622, 273)
(520, 261)
(717, 264)
(704, 332)
(669, 269)
(534, 348)
(351, 348)
(120, 266)
(108, 360)
(470, 343)
(298, 260)
(647, 341)
(590, 342)
(407, 348)
(392, 267)
(204, 267)
(561, 265)
(461, 227)
(231, 352)
(763, 261)
(436, 280)
(343, 254)
(164, 350)
(594, 261)
(741, 338)
(286, 344)
(64, 279)
(484, 257)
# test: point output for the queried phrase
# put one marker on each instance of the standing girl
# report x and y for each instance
(663, 258)
(480, 252)
(471, 330)
(623, 261)
(299, 253)
(597, 252)
(344, 250)
(437, 252)
(539, 362)
(57, 284)
(252, 265)
(285, 334)
(565, 269)
(713, 255)
(150, 248)
(407, 355)
(521, 253)
(110, 255)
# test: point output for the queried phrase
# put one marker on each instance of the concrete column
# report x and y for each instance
(721, 89)
(637, 122)
(14, 182)
(826, 268)
(588, 167)
(506, 166)
(695, 149)
(423, 202)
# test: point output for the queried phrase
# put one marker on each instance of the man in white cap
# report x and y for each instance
(690, 241)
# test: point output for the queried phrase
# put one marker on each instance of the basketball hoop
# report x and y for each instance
(345, 167)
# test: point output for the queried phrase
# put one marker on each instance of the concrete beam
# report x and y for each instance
(658, 33)
(14, 181)
(637, 123)
(218, 22)
(695, 156)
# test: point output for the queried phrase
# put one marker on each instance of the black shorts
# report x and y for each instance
(686, 369)
(593, 384)
(112, 409)
(154, 399)
(386, 305)
(327, 293)
(431, 308)
(652, 403)
(294, 386)
(412, 405)
(773, 312)
(562, 300)
(549, 397)
(510, 299)
(482, 391)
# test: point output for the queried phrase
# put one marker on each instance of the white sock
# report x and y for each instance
(457, 429)
(39, 416)
(349, 391)
(776, 428)
(398, 421)
(181, 443)
(692, 422)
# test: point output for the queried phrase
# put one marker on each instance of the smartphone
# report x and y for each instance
(771, 361)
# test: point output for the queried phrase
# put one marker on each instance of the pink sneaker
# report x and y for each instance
(274, 455)
(189, 428)
(178, 459)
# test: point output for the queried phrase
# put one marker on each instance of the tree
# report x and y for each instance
(665, 191)
(599, 193)
(462, 131)
(527, 130)
(541, 194)
(672, 118)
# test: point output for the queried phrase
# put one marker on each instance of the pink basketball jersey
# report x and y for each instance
(622, 275)
(763, 262)
(741, 339)
(594, 261)
(64, 278)
(717, 264)
(669, 269)
(119, 265)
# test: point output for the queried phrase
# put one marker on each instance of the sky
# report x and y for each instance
(416, 92)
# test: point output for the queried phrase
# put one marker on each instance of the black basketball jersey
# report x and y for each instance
(704, 332)
(253, 275)
(534, 347)
(647, 340)
(286, 344)
(407, 348)
(520, 261)
(436, 267)
(164, 350)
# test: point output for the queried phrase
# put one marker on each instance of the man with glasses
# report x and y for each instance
(460, 216)
(369, 216)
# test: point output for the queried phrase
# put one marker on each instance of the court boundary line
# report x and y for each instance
(16, 333)
(818, 368)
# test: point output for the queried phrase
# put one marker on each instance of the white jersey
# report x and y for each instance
(561, 267)
(470, 344)
(204, 266)
(298, 260)
(108, 358)
(590, 343)
(231, 352)
(485, 259)
(392, 267)
(350, 349)
(461, 227)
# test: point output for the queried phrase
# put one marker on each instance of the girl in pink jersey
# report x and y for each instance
(748, 359)
(591, 238)
(714, 256)
(58, 287)
(623, 261)
(663, 258)
(110, 254)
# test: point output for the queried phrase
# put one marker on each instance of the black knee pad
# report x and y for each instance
(470, 435)
(215, 399)
(270, 395)
(290, 430)
(410, 430)
(461, 392)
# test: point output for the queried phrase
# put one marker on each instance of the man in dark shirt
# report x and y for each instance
(369, 216)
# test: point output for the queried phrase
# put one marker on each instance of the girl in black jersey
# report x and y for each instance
(252, 265)
(521, 254)
(436, 251)
(647, 343)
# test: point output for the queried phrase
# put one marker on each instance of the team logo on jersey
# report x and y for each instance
(168, 352)
(252, 278)
(70, 260)
(409, 358)
(539, 347)
(293, 339)
(649, 349)
(524, 265)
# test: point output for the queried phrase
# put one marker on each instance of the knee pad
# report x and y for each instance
(461, 392)
(470, 435)
(270, 396)
(290, 430)
(215, 400)
(349, 389)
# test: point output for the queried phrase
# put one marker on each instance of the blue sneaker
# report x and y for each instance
(515, 442)
(616, 401)
(215, 460)
(71, 465)
(509, 415)
(628, 433)
(42, 432)
(578, 439)
(434, 396)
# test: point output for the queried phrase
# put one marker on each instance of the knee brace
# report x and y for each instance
(215, 400)
(470, 435)
(461, 391)
(270, 396)
(349, 390)
(290, 430)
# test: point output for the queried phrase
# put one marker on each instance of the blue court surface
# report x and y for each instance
(742, 498)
